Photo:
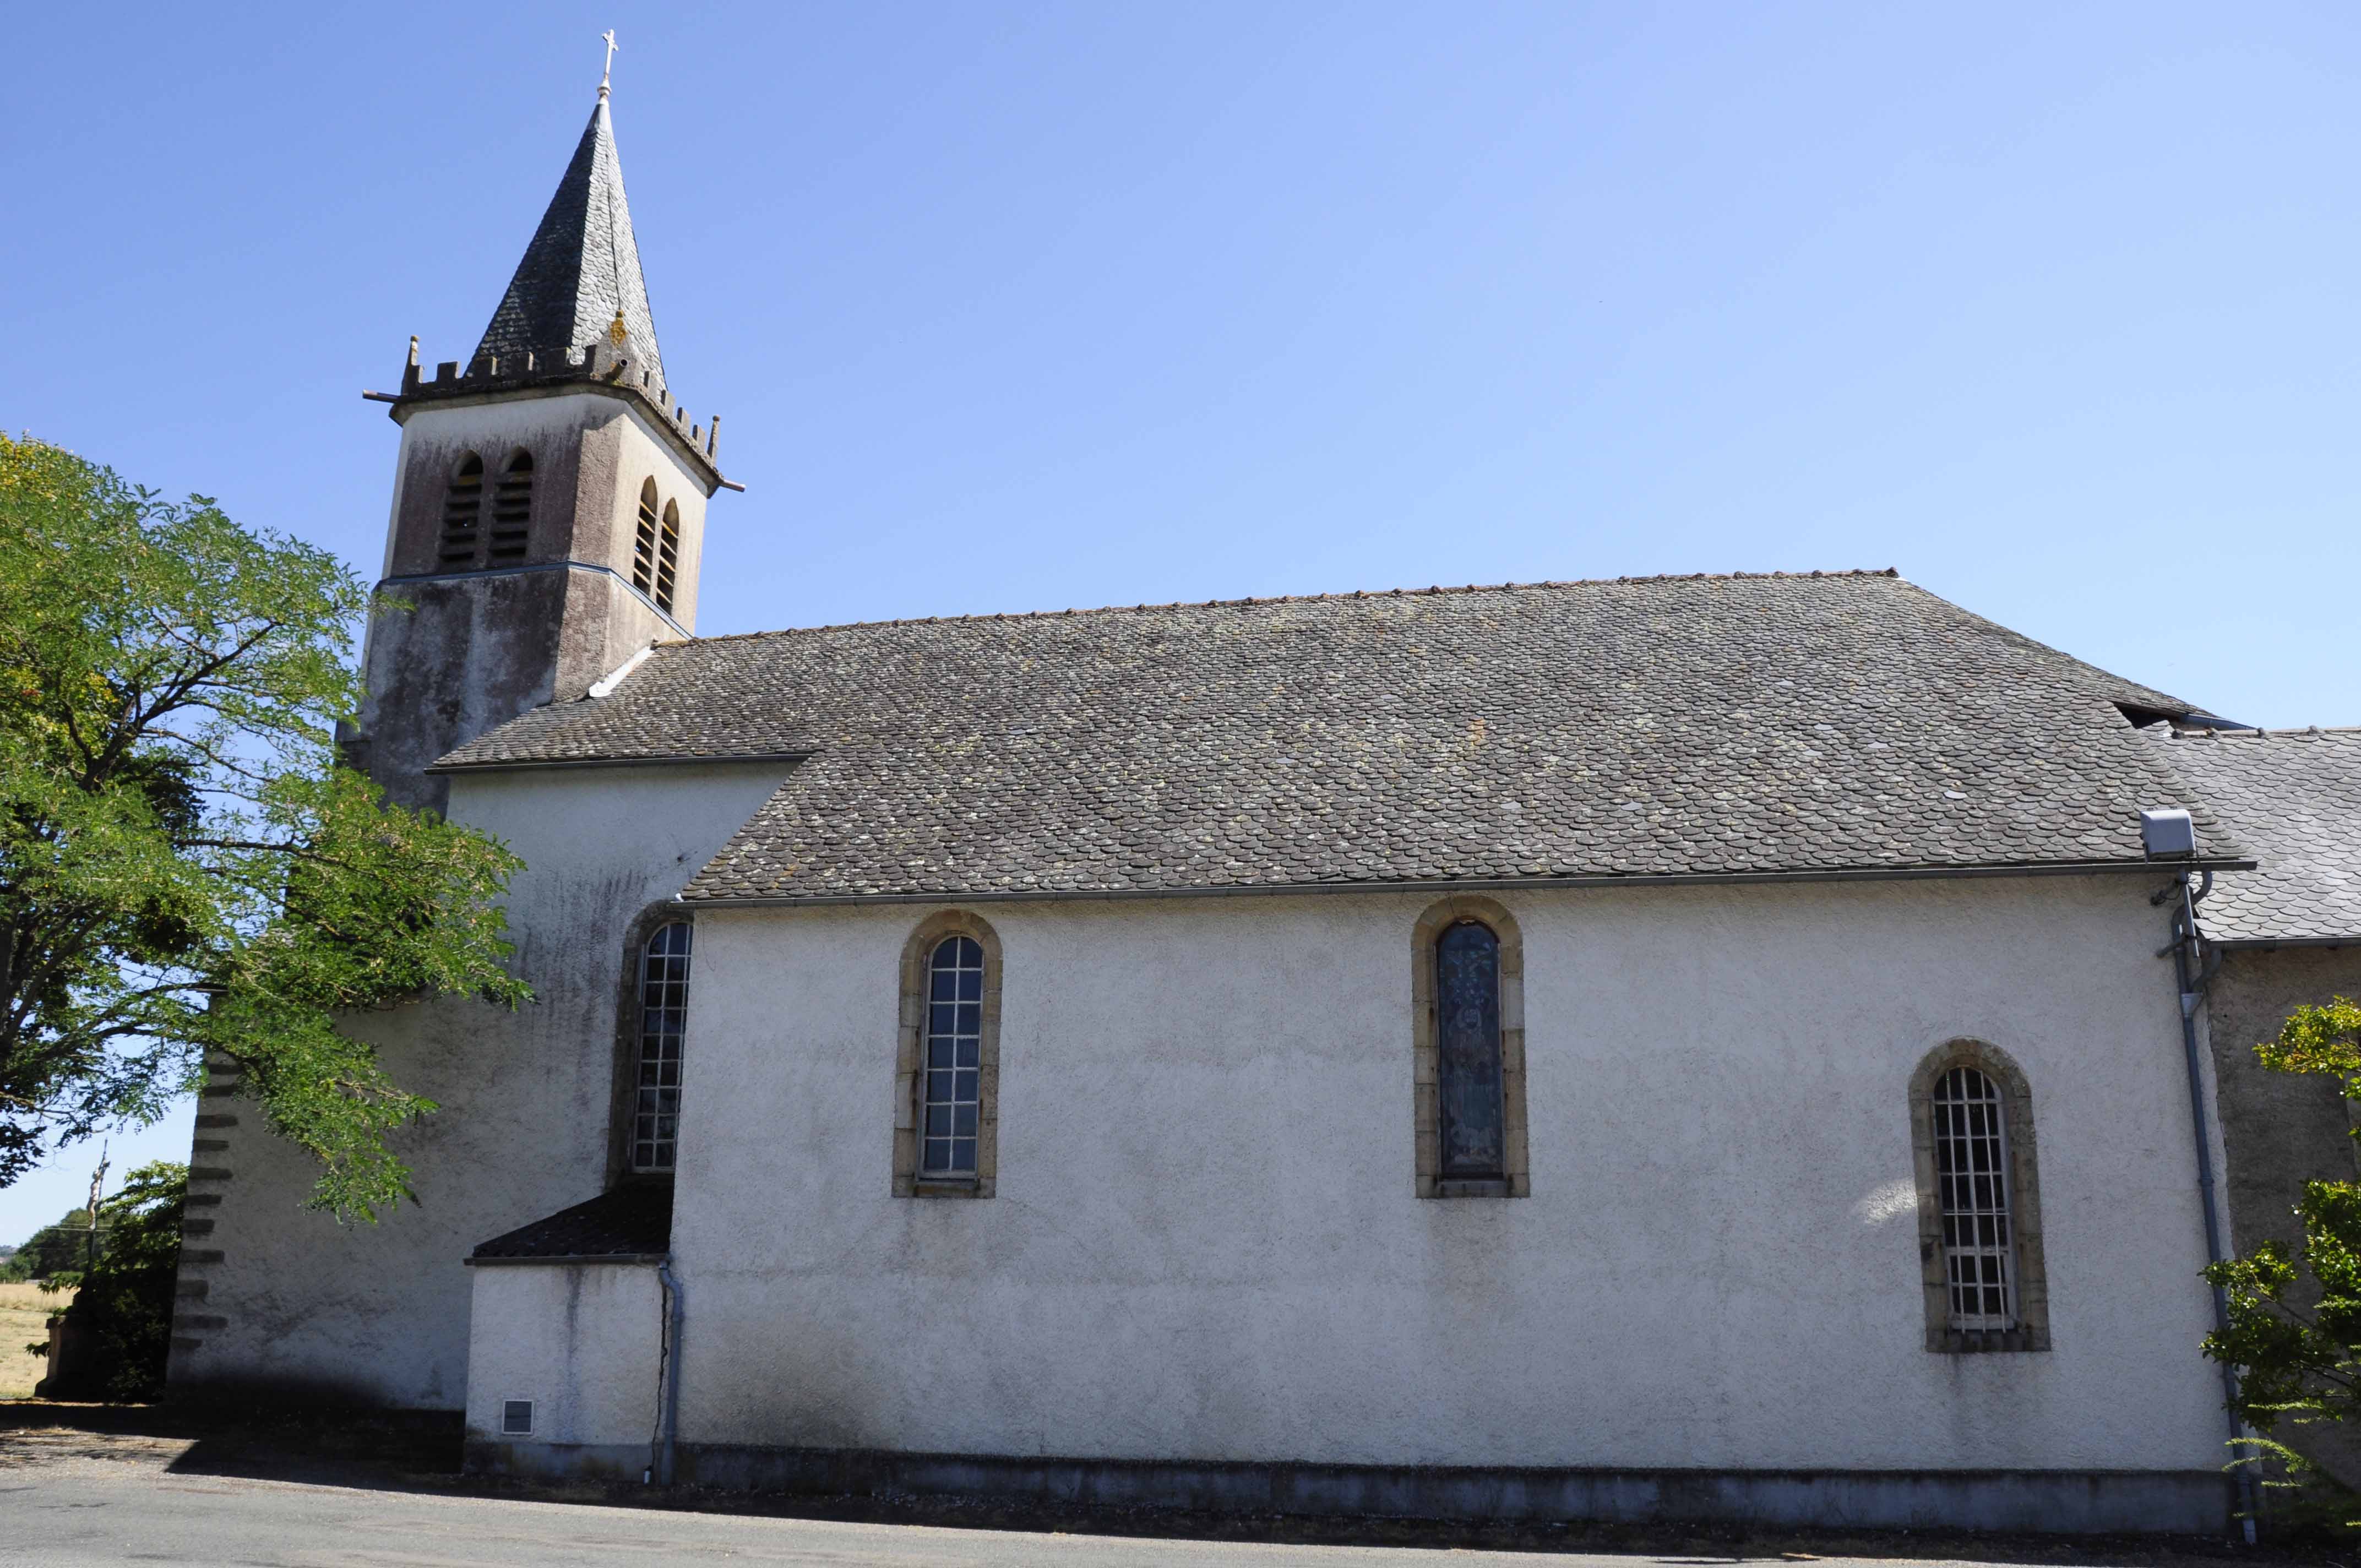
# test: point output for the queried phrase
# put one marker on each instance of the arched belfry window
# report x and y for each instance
(1468, 1051)
(1979, 1206)
(512, 510)
(462, 517)
(644, 546)
(668, 556)
(947, 1077)
(663, 1028)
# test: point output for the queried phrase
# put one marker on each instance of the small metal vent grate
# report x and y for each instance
(516, 1418)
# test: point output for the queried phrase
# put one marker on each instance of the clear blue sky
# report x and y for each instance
(1014, 308)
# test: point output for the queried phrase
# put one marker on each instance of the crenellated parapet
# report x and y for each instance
(593, 366)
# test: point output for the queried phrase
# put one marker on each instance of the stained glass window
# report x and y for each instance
(1468, 1054)
(950, 1093)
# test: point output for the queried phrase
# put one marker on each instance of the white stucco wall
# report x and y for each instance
(1205, 1244)
(380, 1312)
(581, 1340)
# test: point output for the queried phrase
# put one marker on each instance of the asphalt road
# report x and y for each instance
(69, 1499)
(101, 1511)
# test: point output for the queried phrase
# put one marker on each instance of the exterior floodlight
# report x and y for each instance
(2168, 835)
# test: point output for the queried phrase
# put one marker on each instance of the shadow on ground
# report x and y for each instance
(420, 1452)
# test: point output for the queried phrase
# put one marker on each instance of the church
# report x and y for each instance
(1706, 1047)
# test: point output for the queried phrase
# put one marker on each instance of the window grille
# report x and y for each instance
(463, 514)
(1972, 1189)
(663, 1021)
(643, 550)
(668, 556)
(1467, 1051)
(512, 510)
(949, 1094)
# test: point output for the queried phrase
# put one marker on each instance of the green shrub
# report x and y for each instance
(123, 1307)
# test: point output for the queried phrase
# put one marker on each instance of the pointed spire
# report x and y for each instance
(580, 282)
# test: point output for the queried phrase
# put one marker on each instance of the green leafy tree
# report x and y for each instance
(2294, 1329)
(2298, 1356)
(185, 867)
(122, 1306)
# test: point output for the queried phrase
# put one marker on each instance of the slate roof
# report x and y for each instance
(2293, 797)
(1725, 725)
(581, 268)
(634, 1221)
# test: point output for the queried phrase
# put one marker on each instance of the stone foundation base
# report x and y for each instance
(2145, 1501)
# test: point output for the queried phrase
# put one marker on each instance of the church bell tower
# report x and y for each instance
(549, 499)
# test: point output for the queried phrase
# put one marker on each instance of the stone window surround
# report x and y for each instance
(2032, 1333)
(1426, 1111)
(909, 1033)
(624, 1096)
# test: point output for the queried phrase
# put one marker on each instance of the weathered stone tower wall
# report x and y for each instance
(516, 557)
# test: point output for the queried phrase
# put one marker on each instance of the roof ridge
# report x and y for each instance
(1298, 598)
(2264, 732)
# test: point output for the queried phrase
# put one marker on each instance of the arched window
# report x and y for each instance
(1973, 1187)
(668, 556)
(1979, 1240)
(463, 516)
(663, 1024)
(946, 1128)
(512, 510)
(950, 1098)
(643, 549)
(1468, 1051)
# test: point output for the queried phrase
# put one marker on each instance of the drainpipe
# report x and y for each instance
(660, 1459)
(2191, 976)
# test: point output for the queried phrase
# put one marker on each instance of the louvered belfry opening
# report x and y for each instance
(643, 553)
(513, 512)
(462, 517)
(668, 556)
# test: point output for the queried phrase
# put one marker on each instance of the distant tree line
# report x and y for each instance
(61, 1249)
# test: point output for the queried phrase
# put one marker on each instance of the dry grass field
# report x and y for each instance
(24, 1320)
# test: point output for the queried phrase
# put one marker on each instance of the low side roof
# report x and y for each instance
(632, 1223)
(1645, 727)
(2293, 797)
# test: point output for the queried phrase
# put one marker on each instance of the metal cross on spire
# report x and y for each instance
(608, 74)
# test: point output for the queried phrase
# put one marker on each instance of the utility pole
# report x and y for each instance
(97, 1185)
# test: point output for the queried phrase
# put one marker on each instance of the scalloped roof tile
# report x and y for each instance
(2293, 797)
(1634, 727)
